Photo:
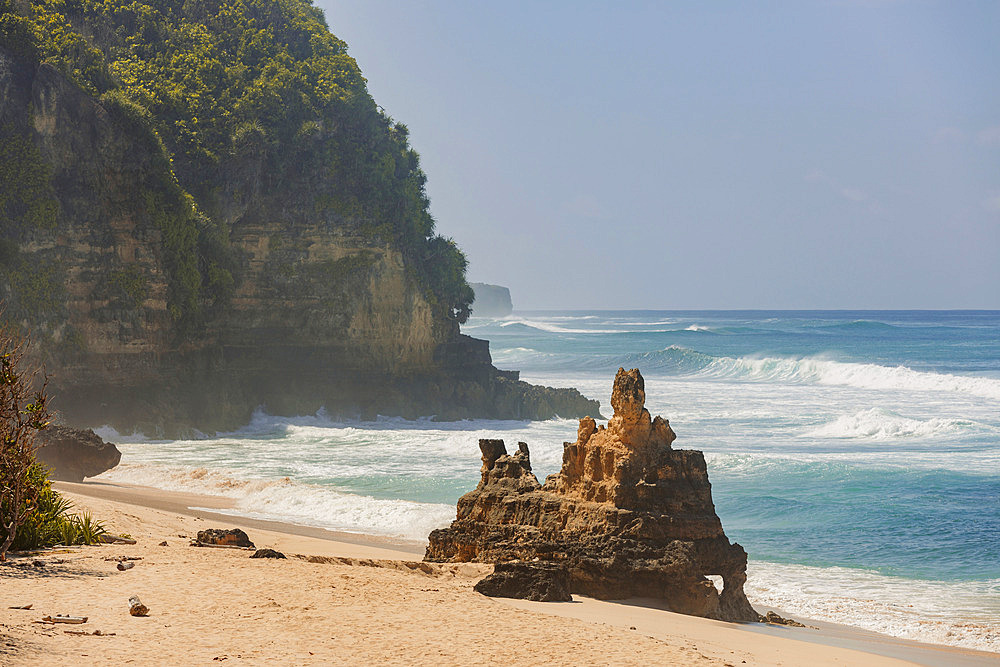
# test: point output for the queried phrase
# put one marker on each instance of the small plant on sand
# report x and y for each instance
(23, 413)
(88, 529)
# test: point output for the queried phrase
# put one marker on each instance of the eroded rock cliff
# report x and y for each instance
(178, 267)
(627, 515)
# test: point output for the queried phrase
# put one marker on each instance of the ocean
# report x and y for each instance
(855, 455)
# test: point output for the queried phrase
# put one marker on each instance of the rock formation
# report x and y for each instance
(73, 454)
(491, 300)
(627, 515)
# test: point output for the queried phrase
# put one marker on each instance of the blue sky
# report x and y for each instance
(702, 155)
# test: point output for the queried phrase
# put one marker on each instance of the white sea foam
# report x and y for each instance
(880, 424)
(863, 376)
(679, 361)
(772, 464)
(285, 500)
(550, 327)
(111, 434)
(905, 608)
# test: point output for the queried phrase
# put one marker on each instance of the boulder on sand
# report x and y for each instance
(233, 537)
(73, 454)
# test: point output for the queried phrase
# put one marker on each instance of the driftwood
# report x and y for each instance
(137, 608)
(115, 539)
(27, 606)
(58, 618)
(125, 565)
(95, 633)
(122, 558)
(196, 543)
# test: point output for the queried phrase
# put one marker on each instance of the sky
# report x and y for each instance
(692, 155)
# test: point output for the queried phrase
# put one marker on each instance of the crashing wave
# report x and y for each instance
(880, 424)
(285, 500)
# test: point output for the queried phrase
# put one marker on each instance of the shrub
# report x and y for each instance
(23, 413)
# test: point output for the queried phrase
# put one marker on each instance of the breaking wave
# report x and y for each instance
(879, 424)
(293, 502)
(682, 361)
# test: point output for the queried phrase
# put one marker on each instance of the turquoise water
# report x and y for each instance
(856, 455)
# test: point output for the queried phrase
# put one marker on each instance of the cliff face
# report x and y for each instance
(626, 516)
(168, 291)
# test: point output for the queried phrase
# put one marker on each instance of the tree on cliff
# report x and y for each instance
(23, 413)
(223, 90)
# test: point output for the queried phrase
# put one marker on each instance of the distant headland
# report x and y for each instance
(491, 300)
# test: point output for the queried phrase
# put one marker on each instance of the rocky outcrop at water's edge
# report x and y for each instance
(626, 516)
(73, 454)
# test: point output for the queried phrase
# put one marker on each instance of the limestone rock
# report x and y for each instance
(233, 537)
(73, 454)
(541, 582)
(626, 516)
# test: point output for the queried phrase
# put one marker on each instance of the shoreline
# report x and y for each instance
(148, 509)
(200, 506)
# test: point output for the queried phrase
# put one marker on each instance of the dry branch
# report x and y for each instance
(196, 543)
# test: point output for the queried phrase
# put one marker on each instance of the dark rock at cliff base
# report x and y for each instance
(233, 537)
(626, 516)
(73, 454)
(775, 619)
(541, 582)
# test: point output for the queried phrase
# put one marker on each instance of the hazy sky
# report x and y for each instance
(702, 154)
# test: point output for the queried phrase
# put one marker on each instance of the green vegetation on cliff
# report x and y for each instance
(219, 84)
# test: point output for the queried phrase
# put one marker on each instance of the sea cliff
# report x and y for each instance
(175, 277)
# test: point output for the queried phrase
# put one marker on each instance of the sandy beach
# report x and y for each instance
(349, 599)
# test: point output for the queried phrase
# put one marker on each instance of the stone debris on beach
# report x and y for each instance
(233, 537)
(267, 553)
(775, 619)
(541, 582)
(627, 516)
